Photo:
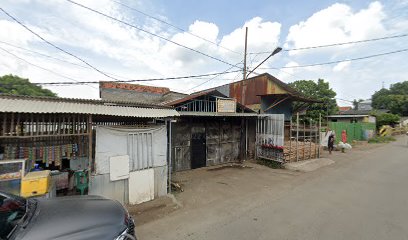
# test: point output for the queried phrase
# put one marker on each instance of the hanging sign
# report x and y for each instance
(226, 105)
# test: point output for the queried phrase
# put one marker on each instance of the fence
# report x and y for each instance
(270, 136)
(355, 131)
(302, 141)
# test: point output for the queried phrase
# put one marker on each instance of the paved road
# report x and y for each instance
(362, 198)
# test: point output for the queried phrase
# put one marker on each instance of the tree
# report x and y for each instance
(356, 102)
(11, 84)
(394, 99)
(320, 91)
(385, 119)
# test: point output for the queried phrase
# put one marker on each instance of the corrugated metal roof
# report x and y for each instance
(217, 114)
(91, 101)
(32, 105)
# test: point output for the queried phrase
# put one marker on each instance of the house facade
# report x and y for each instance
(88, 138)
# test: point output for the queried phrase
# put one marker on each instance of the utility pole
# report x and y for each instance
(245, 53)
(242, 154)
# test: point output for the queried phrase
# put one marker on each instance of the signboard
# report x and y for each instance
(226, 105)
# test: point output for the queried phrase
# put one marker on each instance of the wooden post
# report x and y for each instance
(304, 138)
(290, 139)
(90, 141)
(318, 132)
(43, 129)
(18, 127)
(31, 124)
(37, 125)
(297, 136)
(12, 128)
(310, 139)
(4, 124)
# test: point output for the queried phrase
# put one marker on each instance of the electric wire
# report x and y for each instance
(340, 61)
(336, 44)
(150, 33)
(45, 69)
(224, 72)
(55, 46)
(174, 26)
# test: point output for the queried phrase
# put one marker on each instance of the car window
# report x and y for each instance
(12, 210)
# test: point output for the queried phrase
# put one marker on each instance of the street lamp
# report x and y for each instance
(277, 50)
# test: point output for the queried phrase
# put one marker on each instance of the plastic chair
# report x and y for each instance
(81, 181)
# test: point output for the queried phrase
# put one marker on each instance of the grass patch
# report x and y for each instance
(382, 139)
(270, 163)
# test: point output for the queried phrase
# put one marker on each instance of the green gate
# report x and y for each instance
(355, 131)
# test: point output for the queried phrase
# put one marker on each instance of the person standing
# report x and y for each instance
(344, 136)
(330, 142)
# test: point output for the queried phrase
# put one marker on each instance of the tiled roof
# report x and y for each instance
(134, 87)
(342, 109)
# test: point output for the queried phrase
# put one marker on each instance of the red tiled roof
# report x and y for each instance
(134, 87)
(345, 108)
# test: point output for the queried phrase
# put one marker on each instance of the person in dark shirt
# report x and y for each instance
(330, 143)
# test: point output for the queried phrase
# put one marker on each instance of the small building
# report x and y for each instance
(266, 94)
(365, 105)
(353, 116)
(212, 129)
(121, 146)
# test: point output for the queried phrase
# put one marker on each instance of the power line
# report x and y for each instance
(45, 69)
(44, 55)
(76, 82)
(339, 61)
(139, 80)
(224, 72)
(150, 33)
(337, 44)
(344, 100)
(174, 26)
(55, 46)
(58, 59)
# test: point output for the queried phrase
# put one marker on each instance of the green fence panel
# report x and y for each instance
(355, 131)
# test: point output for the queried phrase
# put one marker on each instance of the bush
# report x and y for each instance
(382, 139)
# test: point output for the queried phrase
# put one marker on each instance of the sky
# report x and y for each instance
(183, 38)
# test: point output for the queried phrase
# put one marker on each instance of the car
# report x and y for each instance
(63, 218)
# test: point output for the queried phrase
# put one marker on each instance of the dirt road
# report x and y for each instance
(361, 196)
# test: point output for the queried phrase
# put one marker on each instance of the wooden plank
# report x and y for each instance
(31, 125)
(43, 123)
(12, 125)
(18, 127)
(4, 124)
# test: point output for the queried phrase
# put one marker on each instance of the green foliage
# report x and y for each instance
(10, 84)
(394, 99)
(356, 102)
(381, 139)
(270, 163)
(320, 91)
(385, 118)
